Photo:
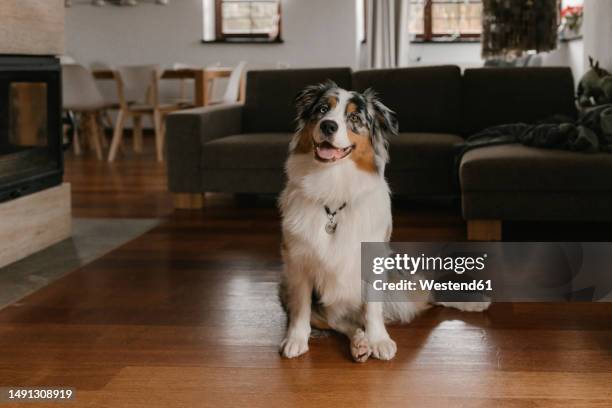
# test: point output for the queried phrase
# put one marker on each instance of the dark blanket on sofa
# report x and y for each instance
(592, 132)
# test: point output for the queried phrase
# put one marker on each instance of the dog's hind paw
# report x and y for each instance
(360, 347)
(293, 347)
(383, 349)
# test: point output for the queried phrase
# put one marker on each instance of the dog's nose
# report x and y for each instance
(329, 127)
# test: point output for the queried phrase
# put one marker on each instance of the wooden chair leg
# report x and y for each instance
(188, 201)
(159, 137)
(117, 136)
(101, 130)
(107, 118)
(94, 136)
(137, 133)
(163, 128)
(484, 230)
(76, 142)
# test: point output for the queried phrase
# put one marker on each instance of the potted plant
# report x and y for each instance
(571, 22)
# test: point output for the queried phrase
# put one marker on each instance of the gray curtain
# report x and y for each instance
(388, 37)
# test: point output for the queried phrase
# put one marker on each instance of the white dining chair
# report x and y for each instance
(108, 89)
(232, 92)
(234, 84)
(82, 97)
(138, 91)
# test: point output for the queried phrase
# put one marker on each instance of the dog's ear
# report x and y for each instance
(383, 124)
(308, 97)
(381, 117)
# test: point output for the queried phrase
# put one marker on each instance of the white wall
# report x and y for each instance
(466, 55)
(316, 33)
(598, 31)
(568, 54)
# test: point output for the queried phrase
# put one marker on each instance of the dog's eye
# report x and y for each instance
(324, 109)
(354, 118)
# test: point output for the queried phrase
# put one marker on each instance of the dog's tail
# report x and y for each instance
(403, 306)
(404, 312)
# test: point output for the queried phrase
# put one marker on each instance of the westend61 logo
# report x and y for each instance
(407, 264)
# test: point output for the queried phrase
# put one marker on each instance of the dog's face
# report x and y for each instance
(336, 125)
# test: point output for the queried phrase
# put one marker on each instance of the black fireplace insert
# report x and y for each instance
(30, 125)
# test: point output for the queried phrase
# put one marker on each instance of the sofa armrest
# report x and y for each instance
(207, 123)
(187, 132)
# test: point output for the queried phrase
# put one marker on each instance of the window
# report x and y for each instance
(449, 20)
(571, 3)
(242, 20)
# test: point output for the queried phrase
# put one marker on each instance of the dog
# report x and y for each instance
(336, 197)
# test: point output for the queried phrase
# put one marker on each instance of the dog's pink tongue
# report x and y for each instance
(328, 153)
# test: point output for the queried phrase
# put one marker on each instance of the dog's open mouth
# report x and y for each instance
(327, 152)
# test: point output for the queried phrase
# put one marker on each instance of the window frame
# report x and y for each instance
(429, 36)
(259, 38)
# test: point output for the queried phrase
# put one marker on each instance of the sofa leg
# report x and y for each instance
(188, 201)
(484, 230)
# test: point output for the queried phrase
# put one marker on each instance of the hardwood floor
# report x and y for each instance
(187, 316)
(134, 186)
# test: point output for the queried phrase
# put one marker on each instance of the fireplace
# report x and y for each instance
(30, 125)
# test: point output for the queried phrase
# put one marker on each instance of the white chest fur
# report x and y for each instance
(333, 260)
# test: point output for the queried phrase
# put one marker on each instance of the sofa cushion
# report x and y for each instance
(411, 151)
(270, 95)
(426, 99)
(422, 164)
(422, 183)
(247, 151)
(497, 96)
(518, 168)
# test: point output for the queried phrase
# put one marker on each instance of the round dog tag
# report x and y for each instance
(330, 227)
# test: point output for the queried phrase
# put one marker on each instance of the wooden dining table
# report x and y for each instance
(202, 79)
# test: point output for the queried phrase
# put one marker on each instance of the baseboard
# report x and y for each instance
(32, 223)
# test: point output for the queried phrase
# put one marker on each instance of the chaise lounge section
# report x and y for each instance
(519, 183)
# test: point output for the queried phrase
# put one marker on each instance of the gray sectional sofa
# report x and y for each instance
(242, 148)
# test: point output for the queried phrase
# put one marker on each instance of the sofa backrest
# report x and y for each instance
(270, 95)
(496, 96)
(426, 99)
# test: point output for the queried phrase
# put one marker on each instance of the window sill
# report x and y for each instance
(244, 41)
(447, 41)
(462, 41)
(571, 39)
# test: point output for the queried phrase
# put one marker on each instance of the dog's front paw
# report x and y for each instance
(383, 349)
(360, 347)
(293, 347)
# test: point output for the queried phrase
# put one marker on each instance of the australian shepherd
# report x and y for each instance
(337, 197)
